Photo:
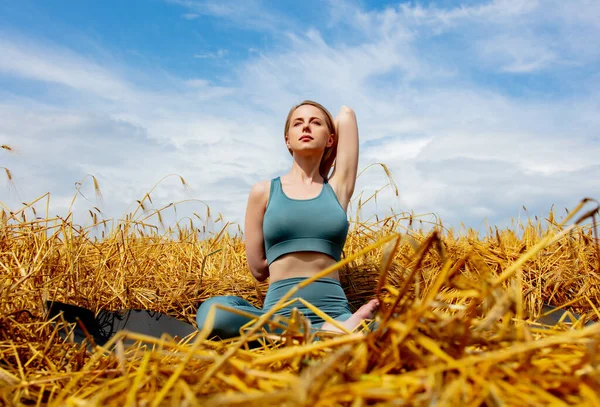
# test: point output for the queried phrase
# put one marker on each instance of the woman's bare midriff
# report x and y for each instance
(301, 264)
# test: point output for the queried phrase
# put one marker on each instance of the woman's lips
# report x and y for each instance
(307, 138)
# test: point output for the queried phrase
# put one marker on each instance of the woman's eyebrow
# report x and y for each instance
(314, 117)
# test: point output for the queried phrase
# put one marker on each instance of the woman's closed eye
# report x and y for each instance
(314, 122)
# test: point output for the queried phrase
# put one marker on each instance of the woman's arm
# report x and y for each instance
(343, 178)
(253, 230)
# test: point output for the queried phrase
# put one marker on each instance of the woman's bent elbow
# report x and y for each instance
(260, 275)
(260, 272)
(347, 110)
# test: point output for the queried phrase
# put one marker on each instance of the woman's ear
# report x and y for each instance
(331, 140)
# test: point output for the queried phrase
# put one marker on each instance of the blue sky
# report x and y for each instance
(478, 107)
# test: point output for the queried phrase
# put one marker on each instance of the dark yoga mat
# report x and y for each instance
(556, 315)
(107, 323)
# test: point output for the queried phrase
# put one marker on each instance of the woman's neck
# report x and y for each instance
(306, 170)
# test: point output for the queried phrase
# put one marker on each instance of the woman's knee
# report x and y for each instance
(225, 324)
(205, 307)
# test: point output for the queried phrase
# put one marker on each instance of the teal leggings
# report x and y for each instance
(326, 294)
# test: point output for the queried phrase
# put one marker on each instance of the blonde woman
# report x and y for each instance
(296, 224)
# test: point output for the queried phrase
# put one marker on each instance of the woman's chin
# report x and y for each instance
(307, 150)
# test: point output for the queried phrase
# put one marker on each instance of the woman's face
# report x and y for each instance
(308, 132)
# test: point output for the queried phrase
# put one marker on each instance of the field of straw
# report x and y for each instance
(456, 325)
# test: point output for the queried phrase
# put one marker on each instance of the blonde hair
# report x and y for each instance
(330, 152)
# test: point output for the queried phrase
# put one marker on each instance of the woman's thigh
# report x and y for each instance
(325, 294)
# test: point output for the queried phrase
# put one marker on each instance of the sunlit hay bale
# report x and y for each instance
(449, 330)
(159, 273)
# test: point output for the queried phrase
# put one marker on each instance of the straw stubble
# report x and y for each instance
(456, 323)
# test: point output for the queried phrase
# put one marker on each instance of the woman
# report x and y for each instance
(296, 224)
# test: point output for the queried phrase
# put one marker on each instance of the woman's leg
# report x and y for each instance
(226, 324)
(327, 295)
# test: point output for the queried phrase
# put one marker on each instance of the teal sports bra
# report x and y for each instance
(291, 225)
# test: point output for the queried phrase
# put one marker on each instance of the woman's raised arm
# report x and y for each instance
(253, 230)
(343, 178)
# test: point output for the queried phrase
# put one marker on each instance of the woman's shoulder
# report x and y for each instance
(260, 191)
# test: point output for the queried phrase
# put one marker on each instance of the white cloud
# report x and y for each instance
(47, 63)
(443, 18)
(519, 36)
(517, 54)
(212, 55)
(396, 148)
(246, 14)
(190, 16)
(197, 83)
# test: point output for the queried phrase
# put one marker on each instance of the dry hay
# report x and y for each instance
(455, 326)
